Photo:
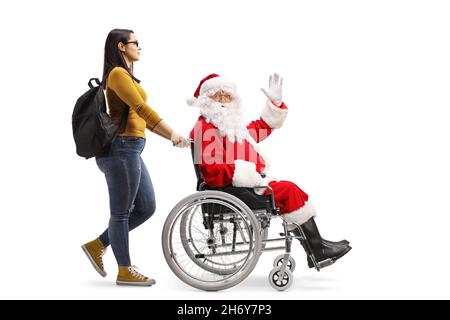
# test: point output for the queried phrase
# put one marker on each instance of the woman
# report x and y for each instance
(132, 199)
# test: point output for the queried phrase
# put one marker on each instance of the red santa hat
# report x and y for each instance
(209, 85)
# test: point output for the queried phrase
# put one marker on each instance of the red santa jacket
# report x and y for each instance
(216, 154)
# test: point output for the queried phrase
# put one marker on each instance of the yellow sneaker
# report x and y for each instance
(95, 251)
(131, 277)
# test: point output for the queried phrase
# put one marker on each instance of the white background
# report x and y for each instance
(367, 85)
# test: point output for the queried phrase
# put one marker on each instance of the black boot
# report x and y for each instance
(303, 243)
(342, 243)
(328, 242)
(320, 249)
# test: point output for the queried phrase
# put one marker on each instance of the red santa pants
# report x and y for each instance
(288, 196)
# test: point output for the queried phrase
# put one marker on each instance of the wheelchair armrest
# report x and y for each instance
(272, 197)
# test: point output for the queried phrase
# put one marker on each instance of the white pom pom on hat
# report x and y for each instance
(191, 100)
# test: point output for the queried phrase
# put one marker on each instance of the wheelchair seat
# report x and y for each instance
(247, 195)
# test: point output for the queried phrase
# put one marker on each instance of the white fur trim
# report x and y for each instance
(211, 86)
(301, 215)
(273, 115)
(245, 174)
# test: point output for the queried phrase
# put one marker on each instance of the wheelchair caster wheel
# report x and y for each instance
(280, 283)
(278, 262)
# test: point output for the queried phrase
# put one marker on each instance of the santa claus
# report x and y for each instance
(228, 154)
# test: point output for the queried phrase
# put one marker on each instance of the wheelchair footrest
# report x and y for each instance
(325, 263)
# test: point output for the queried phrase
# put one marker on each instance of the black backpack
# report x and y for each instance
(93, 129)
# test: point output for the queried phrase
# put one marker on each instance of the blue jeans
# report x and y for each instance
(131, 195)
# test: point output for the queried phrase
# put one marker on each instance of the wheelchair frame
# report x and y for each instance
(230, 273)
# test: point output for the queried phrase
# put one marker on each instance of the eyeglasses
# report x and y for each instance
(222, 94)
(135, 42)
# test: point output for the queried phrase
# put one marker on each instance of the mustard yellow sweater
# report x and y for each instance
(122, 91)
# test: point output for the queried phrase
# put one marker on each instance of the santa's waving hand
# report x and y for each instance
(274, 93)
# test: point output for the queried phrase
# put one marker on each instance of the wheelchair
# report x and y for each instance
(212, 239)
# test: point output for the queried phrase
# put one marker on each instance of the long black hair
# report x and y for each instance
(113, 56)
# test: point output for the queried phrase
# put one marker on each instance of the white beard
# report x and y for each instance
(227, 117)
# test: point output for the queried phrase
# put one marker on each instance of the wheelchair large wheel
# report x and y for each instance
(210, 249)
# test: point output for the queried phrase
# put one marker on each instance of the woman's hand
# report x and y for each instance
(179, 141)
(274, 93)
(162, 129)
